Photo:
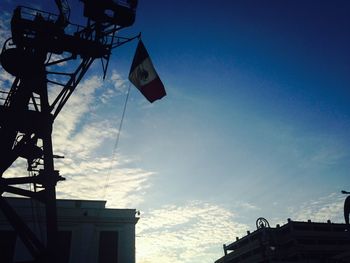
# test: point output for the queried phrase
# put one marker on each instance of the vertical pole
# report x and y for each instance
(51, 213)
(49, 173)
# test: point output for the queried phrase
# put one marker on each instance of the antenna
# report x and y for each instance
(27, 114)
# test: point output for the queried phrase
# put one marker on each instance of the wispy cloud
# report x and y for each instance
(5, 81)
(5, 78)
(92, 172)
(247, 206)
(329, 154)
(320, 210)
(67, 123)
(5, 32)
(86, 140)
(193, 232)
(122, 187)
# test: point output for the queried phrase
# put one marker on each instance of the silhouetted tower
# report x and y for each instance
(28, 112)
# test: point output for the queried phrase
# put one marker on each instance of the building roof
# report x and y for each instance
(291, 241)
(75, 210)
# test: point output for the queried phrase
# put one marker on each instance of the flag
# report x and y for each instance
(143, 75)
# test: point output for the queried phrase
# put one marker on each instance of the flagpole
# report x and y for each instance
(126, 40)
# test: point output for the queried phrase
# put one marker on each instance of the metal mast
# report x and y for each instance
(27, 114)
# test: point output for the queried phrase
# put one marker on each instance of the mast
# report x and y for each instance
(27, 116)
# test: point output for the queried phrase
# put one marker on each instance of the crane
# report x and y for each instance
(27, 114)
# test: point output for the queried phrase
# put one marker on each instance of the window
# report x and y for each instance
(108, 247)
(7, 246)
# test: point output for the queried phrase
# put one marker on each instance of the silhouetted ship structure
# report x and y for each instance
(47, 52)
(307, 242)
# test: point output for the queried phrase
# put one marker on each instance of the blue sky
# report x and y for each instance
(256, 122)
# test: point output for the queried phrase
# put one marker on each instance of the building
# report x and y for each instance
(88, 232)
(295, 241)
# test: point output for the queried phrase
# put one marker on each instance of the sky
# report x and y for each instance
(255, 123)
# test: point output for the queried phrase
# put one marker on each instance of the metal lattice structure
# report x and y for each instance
(41, 43)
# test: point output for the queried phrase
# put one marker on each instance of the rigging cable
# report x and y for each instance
(104, 189)
(116, 144)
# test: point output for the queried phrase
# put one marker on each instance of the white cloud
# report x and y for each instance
(5, 32)
(5, 78)
(119, 82)
(76, 107)
(55, 58)
(101, 179)
(193, 232)
(79, 134)
(115, 85)
(247, 206)
(5, 84)
(86, 140)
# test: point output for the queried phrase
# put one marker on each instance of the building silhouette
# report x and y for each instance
(295, 241)
(88, 232)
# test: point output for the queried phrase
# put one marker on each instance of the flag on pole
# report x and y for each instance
(143, 75)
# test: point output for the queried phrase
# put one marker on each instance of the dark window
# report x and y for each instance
(7, 246)
(322, 228)
(108, 247)
(305, 241)
(302, 228)
(64, 241)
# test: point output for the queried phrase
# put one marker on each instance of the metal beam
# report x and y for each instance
(34, 245)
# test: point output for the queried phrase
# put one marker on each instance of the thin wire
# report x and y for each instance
(116, 143)
(111, 163)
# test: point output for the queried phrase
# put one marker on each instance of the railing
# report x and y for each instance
(5, 93)
(31, 13)
(3, 96)
(28, 12)
(106, 37)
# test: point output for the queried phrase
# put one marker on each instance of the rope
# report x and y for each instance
(91, 242)
(105, 187)
(116, 144)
